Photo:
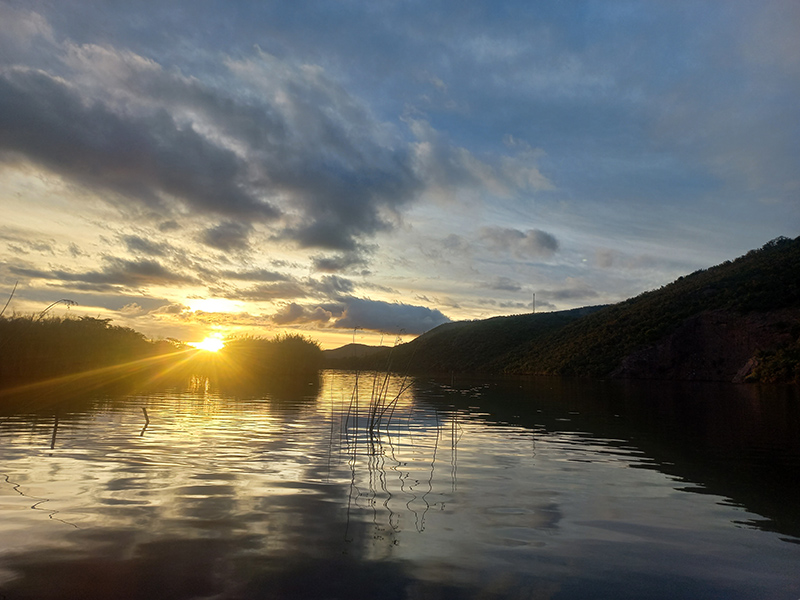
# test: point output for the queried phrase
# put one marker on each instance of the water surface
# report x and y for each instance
(539, 488)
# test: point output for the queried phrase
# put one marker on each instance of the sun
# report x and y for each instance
(210, 344)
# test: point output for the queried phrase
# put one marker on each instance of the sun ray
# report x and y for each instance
(210, 344)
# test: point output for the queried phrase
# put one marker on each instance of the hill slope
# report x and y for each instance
(739, 320)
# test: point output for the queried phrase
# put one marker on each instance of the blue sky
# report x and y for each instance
(329, 167)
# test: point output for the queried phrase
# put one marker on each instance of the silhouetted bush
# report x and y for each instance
(33, 348)
(285, 355)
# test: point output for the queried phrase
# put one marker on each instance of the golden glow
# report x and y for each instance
(210, 344)
(212, 305)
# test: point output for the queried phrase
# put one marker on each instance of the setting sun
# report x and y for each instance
(210, 344)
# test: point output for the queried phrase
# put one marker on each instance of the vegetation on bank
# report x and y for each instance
(287, 354)
(36, 348)
(593, 342)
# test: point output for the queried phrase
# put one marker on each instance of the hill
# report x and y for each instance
(350, 351)
(733, 322)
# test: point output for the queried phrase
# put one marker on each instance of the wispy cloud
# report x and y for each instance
(533, 243)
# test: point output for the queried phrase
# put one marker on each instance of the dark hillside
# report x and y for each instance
(483, 345)
(738, 320)
(480, 346)
(757, 296)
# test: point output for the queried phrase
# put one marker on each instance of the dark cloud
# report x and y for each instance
(138, 244)
(228, 236)
(168, 226)
(305, 147)
(28, 247)
(533, 243)
(277, 286)
(145, 157)
(332, 286)
(115, 272)
(576, 290)
(338, 262)
(351, 313)
(455, 243)
(41, 247)
(341, 205)
(517, 306)
(321, 156)
(23, 244)
(388, 317)
(503, 284)
(294, 314)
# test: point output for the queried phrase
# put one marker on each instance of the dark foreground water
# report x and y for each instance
(466, 489)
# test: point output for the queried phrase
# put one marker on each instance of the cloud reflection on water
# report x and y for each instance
(539, 491)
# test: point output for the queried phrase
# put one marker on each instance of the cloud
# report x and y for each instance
(294, 314)
(255, 275)
(174, 308)
(503, 284)
(533, 243)
(331, 286)
(338, 262)
(138, 244)
(150, 158)
(455, 243)
(277, 286)
(290, 147)
(448, 167)
(574, 290)
(350, 313)
(380, 316)
(168, 226)
(26, 247)
(23, 32)
(134, 309)
(347, 177)
(228, 236)
(267, 292)
(23, 242)
(116, 272)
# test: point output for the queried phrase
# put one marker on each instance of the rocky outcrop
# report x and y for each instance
(713, 346)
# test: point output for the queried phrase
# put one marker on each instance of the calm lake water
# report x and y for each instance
(540, 488)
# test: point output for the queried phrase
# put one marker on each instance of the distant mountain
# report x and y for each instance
(351, 351)
(738, 321)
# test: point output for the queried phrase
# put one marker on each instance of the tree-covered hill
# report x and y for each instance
(735, 321)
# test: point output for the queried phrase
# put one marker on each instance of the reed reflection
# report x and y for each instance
(391, 444)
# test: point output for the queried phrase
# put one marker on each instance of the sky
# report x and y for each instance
(361, 170)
